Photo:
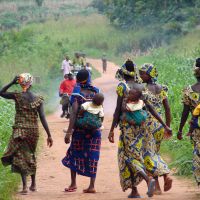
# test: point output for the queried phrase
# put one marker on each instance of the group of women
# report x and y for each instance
(139, 146)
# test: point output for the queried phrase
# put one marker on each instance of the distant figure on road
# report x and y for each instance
(66, 65)
(65, 90)
(88, 67)
(104, 63)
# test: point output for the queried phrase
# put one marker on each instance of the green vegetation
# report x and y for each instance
(8, 181)
(159, 20)
(14, 14)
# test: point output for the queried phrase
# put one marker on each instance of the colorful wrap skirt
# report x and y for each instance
(130, 158)
(153, 162)
(196, 154)
(84, 152)
(20, 153)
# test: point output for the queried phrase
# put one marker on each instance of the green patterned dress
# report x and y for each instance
(20, 153)
(192, 99)
(153, 162)
(130, 158)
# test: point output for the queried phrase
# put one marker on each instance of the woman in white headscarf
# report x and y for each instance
(20, 153)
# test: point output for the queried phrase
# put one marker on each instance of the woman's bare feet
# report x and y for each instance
(158, 190)
(24, 191)
(89, 190)
(167, 183)
(134, 193)
(33, 188)
(151, 187)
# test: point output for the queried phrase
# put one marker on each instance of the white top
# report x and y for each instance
(66, 66)
(135, 106)
(94, 109)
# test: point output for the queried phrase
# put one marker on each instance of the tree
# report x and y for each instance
(39, 2)
(134, 13)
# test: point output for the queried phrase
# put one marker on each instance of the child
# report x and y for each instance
(91, 113)
(132, 108)
(20, 153)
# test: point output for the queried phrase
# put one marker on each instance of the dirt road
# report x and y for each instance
(53, 177)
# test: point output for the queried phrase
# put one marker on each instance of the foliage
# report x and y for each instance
(39, 2)
(8, 181)
(14, 14)
(143, 12)
(162, 19)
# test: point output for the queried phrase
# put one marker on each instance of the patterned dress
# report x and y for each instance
(130, 158)
(84, 151)
(192, 99)
(20, 153)
(153, 162)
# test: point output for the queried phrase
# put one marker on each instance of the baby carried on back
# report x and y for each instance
(132, 108)
(90, 115)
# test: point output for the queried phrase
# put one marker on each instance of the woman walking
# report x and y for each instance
(156, 95)
(131, 163)
(191, 98)
(20, 153)
(83, 154)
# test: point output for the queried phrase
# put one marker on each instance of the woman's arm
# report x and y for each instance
(45, 125)
(155, 114)
(115, 118)
(72, 121)
(8, 95)
(184, 117)
(167, 112)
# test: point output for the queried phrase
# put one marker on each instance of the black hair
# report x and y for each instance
(82, 75)
(138, 93)
(197, 64)
(98, 99)
(130, 66)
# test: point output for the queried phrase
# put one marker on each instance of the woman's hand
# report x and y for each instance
(189, 134)
(49, 141)
(180, 135)
(67, 136)
(15, 80)
(111, 137)
(168, 132)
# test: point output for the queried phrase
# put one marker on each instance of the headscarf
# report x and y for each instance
(25, 81)
(151, 70)
(83, 77)
(83, 81)
(197, 68)
(123, 71)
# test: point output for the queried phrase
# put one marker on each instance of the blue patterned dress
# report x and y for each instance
(153, 162)
(130, 146)
(84, 151)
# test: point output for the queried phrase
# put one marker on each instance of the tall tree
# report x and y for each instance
(39, 2)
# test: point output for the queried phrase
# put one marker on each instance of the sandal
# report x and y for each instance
(168, 184)
(151, 188)
(134, 197)
(23, 192)
(70, 189)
